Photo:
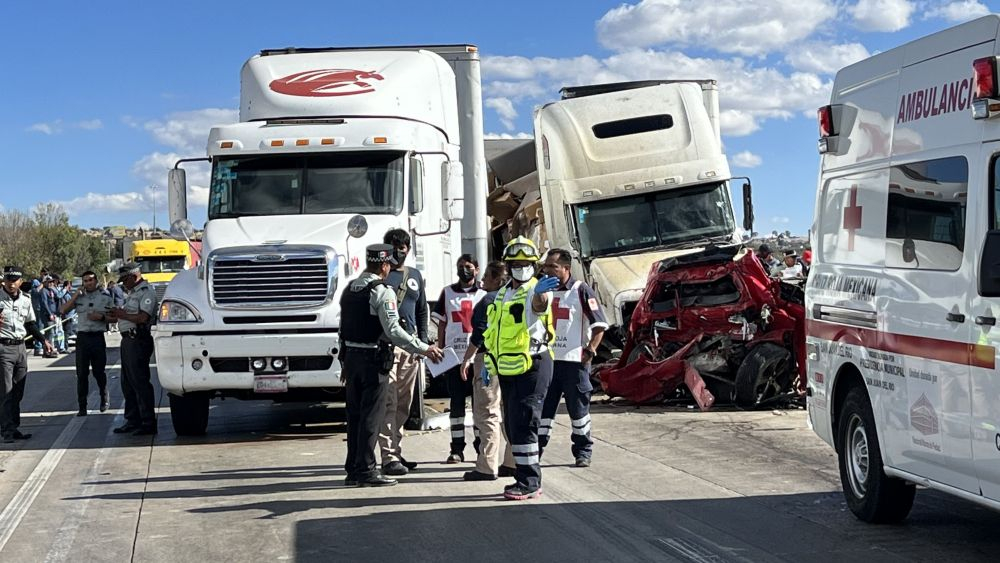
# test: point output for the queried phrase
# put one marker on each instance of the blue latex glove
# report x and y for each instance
(546, 284)
(485, 376)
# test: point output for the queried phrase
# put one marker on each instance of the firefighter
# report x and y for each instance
(517, 339)
(579, 324)
(369, 329)
(453, 313)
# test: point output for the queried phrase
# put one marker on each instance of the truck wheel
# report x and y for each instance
(764, 373)
(871, 495)
(189, 413)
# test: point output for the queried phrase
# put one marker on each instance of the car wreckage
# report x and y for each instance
(713, 325)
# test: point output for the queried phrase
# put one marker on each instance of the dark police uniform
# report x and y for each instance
(369, 326)
(136, 351)
(18, 322)
(91, 349)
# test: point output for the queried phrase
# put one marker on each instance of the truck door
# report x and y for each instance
(984, 313)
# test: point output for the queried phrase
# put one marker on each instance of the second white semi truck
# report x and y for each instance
(632, 174)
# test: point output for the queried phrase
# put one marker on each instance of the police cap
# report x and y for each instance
(378, 253)
(128, 268)
(12, 273)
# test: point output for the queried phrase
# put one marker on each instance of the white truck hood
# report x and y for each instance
(325, 230)
(622, 279)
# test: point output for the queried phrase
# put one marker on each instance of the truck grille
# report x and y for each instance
(296, 279)
(160, 289)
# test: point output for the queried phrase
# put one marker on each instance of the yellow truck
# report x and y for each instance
(160, 259)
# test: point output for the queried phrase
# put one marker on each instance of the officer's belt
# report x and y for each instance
(11, 341)
(372, 346)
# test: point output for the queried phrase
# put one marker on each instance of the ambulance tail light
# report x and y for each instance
(984, 92)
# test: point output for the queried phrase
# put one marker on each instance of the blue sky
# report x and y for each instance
(98, 99)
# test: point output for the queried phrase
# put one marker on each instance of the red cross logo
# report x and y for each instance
(560, 313)
(852, 218)
(464, 316)
(355, 263)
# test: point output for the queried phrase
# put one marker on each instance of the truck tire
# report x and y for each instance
(764, 373)
(189, 413)
(871, 495)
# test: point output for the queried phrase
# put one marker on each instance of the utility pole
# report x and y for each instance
(152, 190)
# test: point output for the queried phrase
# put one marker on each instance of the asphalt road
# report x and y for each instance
(266, 484)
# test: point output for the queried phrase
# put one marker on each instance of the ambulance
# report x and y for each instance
(904, 293)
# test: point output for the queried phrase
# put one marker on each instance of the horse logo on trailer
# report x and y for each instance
(326, 82)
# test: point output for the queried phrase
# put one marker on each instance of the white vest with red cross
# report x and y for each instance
(458, 306)
(571, 324)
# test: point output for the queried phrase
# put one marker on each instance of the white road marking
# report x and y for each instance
(19, 505)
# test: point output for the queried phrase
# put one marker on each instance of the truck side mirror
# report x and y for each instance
(177, 194)
(416, 185)
(747, 206)
(453, 188)
(989, 266)
(181, 229)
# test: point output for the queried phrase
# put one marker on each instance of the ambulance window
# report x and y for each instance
(995, 194)
(925, 219)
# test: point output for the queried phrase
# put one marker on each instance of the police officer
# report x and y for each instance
(91, 306)
(134, 320)
(369, 326)
(408, 285)
(453, 313)
(17, 320)
(579, 324)
(517, 340)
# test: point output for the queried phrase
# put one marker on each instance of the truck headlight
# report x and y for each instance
(177, 312)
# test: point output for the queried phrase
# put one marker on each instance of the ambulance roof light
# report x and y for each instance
(986, 77)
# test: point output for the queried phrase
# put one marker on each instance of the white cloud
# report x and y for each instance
(520, 135)
(57, 126)
(749, 94)
(726, 26)
(746, 159)
(50, 128)
(956, 12)
(881, 15)
(824, 58)
(187, 131)
(90, 124)
(505, 110)
(780, 220)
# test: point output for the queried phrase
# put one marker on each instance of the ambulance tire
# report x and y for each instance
(871, 495)
(189, 413)
(764, 373)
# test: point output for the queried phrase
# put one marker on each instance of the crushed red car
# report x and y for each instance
(713, 326)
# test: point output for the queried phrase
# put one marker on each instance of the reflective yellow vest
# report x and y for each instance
(507, 337)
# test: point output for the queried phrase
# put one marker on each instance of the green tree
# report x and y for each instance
(46, 239)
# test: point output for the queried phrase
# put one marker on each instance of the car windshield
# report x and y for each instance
(161, 264)
(637, 222)
(368, 182)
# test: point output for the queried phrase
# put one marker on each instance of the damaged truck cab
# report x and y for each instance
(631, 174)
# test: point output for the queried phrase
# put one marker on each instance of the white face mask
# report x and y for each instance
(522, 274)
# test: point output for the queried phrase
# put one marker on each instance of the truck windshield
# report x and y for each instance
(161, 264)
(355, 182)
(637, 222)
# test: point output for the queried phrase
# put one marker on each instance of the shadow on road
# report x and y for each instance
(801, 527)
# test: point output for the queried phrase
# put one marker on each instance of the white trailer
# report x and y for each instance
(631, 174)
(333, 148)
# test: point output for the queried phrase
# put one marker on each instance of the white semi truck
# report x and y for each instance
(333, 148)
(631, 174)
